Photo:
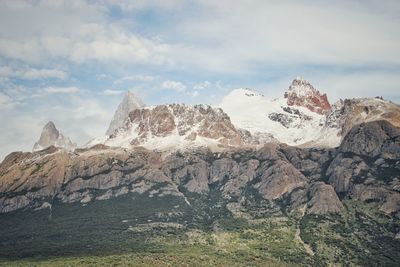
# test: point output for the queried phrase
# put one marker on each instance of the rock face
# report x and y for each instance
(373, 139)
(50, 136)
(323, 199)
(302, 93)
(345, 114)
(366, 167)
(179, 126)
(129, 103)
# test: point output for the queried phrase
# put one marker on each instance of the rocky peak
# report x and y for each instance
(302, 93)
(49, 133)
(179, 126)
(129, 103)
(51, 136)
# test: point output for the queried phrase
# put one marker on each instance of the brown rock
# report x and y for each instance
(323, 199)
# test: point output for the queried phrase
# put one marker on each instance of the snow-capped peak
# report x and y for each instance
(302, 93)
(301, 87)
(129, 103)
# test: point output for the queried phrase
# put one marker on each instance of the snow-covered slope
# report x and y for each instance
(178, 126)
(129, 103)
(51, 136)
(302, 117)
(254, 112)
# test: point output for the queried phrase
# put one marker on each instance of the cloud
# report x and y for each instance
(6, 72)
(79, 32)
(201, 86)
(4, 100)
(174, 85)
(103, 76)
(61, 90)
(144, 4)
(32, 74)
(112, 92)
(195, 94)
(79, 117)
(140, 78)
(289, 33)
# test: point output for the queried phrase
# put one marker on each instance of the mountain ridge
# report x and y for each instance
(175, 177)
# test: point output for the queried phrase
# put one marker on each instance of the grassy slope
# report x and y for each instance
(125, 232)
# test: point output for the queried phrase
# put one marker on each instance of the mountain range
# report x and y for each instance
(292, 180)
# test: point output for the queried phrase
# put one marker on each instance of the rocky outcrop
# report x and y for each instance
(346, 114)
(275, 173)
(373, 139)
(32, 178)
(392, 203)
(278, 179)
(51, 136)
(323, 199)
(366, 166)
(302, 93)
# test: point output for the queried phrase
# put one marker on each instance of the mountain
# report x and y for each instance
(304, 117)
(291, 124)
(302, 93)
(276, 182)
(51, 136)
(179, 126)
(129, 103)
(316, 202)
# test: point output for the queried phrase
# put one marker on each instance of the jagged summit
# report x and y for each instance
(129, 103)
(302, 93)
(171, 126)
(51, 136)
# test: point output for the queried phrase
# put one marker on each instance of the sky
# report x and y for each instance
(71, 61)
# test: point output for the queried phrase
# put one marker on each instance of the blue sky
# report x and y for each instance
(71, 61)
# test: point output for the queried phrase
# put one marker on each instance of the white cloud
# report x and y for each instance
(112, 92)
(4, 99)
(78, 31)
(282, 33)
(32, 74)
(201, 86)
(61, 90)
(6, 72)
(80, 118)
(103, 76)
(127, 5)
(174, 85)
(195, 94)
(140, 78)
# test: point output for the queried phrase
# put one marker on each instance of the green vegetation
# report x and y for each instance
(361, 236)
(136, 230)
